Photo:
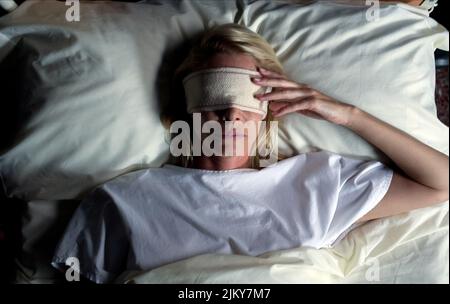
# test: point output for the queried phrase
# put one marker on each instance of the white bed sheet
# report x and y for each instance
(410, 248)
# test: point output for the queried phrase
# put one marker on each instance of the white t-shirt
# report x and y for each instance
(151, 217)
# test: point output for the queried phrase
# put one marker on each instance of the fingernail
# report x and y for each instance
(256, 79)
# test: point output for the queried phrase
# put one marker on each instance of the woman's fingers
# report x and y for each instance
(305, 104)
(287, 96)
(289, 93)
(275, 106)
(268, 73)
(276, 82)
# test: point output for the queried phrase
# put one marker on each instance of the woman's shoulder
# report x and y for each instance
(129, 178)
(308, 156)
(318, 160)
(327, 154)
(124, 185)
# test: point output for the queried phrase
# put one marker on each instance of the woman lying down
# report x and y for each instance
(230, 203)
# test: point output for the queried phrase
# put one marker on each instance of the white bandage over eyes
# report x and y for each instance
(221, 88)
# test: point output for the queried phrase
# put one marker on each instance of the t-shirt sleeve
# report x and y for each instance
(97, 237)
(362, 185)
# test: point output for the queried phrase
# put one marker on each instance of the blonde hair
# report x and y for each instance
(225, 38)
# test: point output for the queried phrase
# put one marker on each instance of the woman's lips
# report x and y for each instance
(234, 135)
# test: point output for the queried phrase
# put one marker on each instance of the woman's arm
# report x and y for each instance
(410, 2)
(419, 161)
(425, 180)
(426, 169)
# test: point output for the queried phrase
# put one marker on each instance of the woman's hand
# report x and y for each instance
(288, 96)
(427, 170)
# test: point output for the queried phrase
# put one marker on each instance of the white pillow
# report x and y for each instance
(95, 86)
(385, 67)
(93, 89)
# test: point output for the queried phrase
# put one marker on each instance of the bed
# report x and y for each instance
(81, 103)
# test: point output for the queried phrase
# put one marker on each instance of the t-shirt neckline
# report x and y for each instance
(211, 171)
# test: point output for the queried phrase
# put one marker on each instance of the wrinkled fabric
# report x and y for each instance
(157, 216)
(410, 248)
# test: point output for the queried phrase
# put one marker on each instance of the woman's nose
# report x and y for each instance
(232, 114)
